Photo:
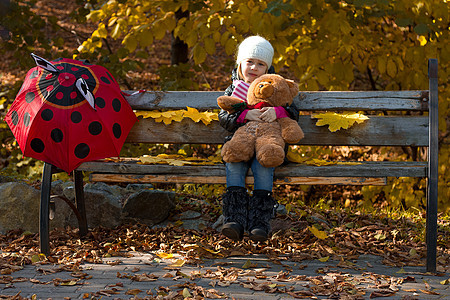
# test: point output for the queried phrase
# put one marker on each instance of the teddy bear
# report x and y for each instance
(265, 139)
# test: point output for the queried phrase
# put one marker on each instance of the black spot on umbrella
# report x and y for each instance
(37, 145)
(57, 135)
(100, 102)
(29, 97)
(117, 130)
(82, 150)
(76, 117)
(47, 114)
(117, 105)
(26, 119)
(15, 117)
(95, 128)
(105, 80)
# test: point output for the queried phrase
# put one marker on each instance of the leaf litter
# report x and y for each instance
(307, 239)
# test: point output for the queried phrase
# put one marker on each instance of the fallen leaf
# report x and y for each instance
(164, 255)
(248, 264)
(144, 277)
(178, 263)
(337, 121)
(381, 293)
(186, 293)
(133, 292)
(429, 292)
(318, 233)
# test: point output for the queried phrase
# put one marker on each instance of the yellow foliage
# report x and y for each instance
(320, 162)
(177, 115)
(177, 160)
(337, 121)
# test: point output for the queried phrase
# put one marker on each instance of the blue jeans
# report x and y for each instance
(263, 176)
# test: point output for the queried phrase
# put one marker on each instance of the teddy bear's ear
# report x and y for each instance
(293, 87)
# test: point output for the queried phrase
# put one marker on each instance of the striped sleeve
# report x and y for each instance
(240, 90)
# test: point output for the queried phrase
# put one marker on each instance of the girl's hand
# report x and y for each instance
(253, 115)
(268, 114)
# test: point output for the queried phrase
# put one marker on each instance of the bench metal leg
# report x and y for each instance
(79, 198)
(433, 174)
(44, 209)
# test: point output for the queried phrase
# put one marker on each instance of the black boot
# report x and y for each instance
(261, 210)
(234, 206)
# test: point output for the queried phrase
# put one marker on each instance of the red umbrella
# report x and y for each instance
(68, 112)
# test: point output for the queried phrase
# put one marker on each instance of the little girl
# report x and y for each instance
(243, 212)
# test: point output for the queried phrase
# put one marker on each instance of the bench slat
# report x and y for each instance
(342, 100)
(363, 169)
(377, 131)
(133, 178)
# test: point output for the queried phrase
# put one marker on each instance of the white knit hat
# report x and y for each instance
(255, 47)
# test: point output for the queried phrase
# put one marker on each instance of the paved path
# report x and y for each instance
(144, 276)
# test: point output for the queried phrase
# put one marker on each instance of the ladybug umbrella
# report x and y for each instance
(68, 112)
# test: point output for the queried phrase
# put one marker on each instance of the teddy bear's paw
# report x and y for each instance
(293, 137)
(270, 156)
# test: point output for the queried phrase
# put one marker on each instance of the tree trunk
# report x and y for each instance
(179, 49)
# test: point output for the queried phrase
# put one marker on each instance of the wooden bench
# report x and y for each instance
(400, 130)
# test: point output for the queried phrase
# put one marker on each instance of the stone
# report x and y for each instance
(112, 190)
(19, 207)
(192, 220)
(149, 207)
(103, 207)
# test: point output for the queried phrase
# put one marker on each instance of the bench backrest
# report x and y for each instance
(408, 128)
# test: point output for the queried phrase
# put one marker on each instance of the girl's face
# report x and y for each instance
(252, 68)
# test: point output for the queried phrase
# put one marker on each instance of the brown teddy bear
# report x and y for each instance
(265, 139)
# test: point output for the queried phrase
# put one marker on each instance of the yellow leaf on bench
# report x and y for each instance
(178, 115)
(320, 162)
(337, 121)
(193, 113)
(177, 160)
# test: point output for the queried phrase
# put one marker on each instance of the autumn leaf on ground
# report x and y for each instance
(318, 233)
(337, 121)
(133, 292)
(165, 255)
(186, 293)
(178, 263)
(249, 264)
(144, 277)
